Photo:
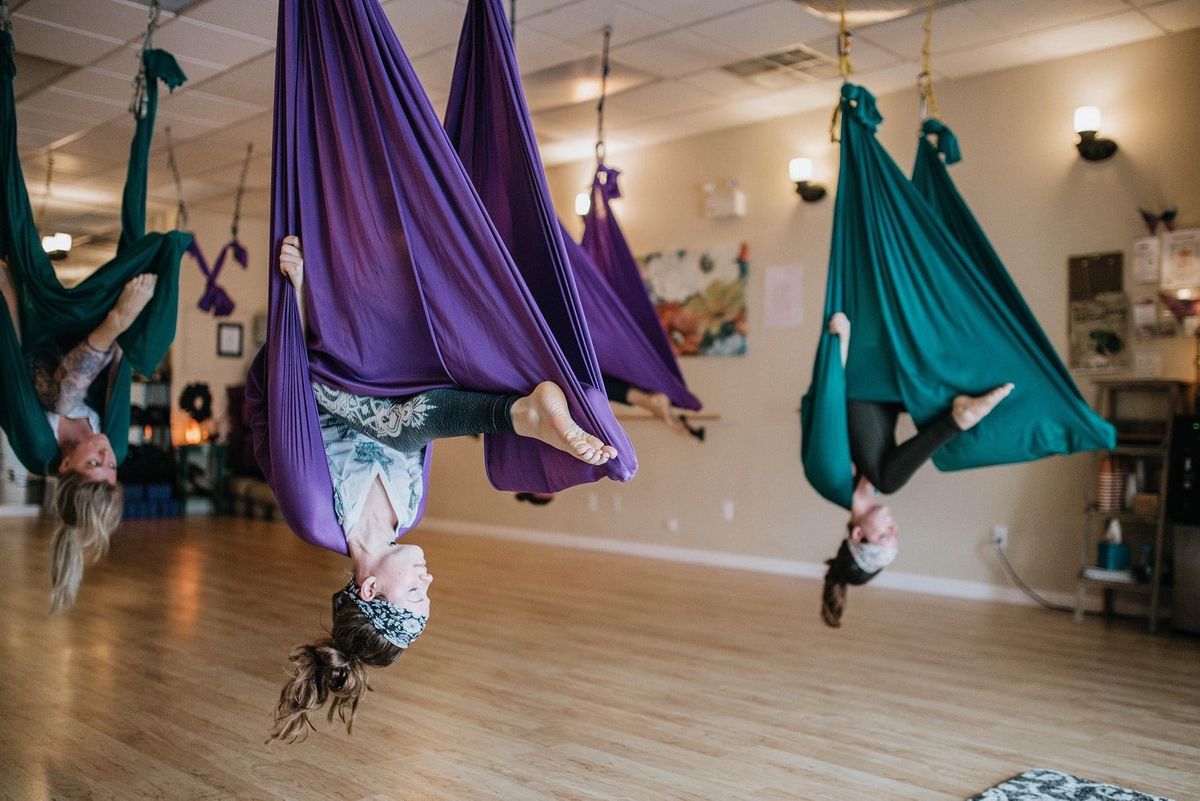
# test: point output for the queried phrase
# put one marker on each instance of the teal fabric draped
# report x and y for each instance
(52, 313)
(932, 307)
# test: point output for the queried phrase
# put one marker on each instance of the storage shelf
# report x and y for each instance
(1141, 451)
(1134, 587)
(1125, 517)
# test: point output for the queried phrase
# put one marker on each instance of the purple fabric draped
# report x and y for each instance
(489, 124)
(604, 242)
(409, 284)
(215, 299)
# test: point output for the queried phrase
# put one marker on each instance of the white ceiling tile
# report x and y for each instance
(424, 25)
(86, 111)
(673, 54)
(34, 73)
(32, 139)
(59, 42)
(583, 22)
(765, 28)
(685, 12)
(206, 44)
(202, 105)
(657, 100)
(99, 84)
(1022, 16)
(252, 82)
(1084, 37)
(436, 69)
(531, 8)
(724, 84)
(1179, 15)
(537, 51)
(954, 28)
(65, 164)
(120, 61)
(47, 121)
(986, 58)
(119, 19)
(255, 17)
(194, 189)
(258, 176)
(107, 142)
(791, 101)
(568, 121)
(866, 55)
(182, 128)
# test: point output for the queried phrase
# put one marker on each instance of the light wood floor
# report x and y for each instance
(557, 674)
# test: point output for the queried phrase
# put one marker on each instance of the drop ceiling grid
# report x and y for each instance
(226, 48)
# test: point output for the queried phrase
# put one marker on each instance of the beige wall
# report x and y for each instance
(1038, 201)
(194, 354)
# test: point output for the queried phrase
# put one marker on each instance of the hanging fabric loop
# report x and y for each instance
(601, 147)
(216, 298)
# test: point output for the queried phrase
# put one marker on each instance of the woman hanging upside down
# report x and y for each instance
(374, 448)
(88, 500)
(883, 465)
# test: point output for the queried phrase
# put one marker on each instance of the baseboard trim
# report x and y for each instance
(16, 510)
(907, 582)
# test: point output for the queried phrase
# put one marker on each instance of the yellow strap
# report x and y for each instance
(929, 107)
(843, 47)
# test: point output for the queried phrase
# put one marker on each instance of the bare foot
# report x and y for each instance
(968, 411)
(658, 405)
(543, 415)
(137, 293)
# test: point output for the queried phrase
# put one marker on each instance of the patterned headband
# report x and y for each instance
(394, 623)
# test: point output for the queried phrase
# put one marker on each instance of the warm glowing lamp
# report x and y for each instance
(800, 170)
(1091, 145)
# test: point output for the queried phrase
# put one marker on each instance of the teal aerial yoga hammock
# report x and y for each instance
(52, 313)
(933, 315)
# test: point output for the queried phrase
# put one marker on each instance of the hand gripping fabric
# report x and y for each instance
(410, 285)
(53, 313)
(942, 320)
(489, 124)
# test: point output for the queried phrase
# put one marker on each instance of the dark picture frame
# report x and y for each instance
(230, 339)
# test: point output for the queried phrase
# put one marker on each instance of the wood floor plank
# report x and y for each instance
(551, 674)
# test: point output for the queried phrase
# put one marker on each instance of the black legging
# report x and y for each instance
(615, 389)
(409, 424)
(873, 445)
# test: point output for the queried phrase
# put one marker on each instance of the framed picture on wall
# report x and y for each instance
(229, 340)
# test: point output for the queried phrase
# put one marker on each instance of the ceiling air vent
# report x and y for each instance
(786, 68)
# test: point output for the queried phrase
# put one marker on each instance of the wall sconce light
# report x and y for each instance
(801, 173)
(1091, 145)
(58, 245)
(583, 203)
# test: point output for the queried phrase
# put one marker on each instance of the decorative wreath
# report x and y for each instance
(196, 400)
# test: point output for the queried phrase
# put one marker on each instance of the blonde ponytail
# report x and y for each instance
(87, 513)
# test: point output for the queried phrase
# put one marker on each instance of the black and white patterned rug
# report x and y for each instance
(1050, 785)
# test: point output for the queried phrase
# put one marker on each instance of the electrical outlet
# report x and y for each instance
(593, 502)
(1000, 536)
(727, 510)
(671, 524)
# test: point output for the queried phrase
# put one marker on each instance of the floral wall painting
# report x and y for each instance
(701, 298)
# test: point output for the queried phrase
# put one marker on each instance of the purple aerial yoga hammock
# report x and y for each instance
(488, 122)
(416, 288)
(215, 299)
(605, 243)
